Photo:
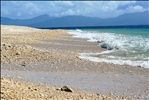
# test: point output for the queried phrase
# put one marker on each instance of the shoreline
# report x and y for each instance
(26, 90)
(56, 51)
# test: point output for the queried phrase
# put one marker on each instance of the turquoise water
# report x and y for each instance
(143, 32)
(125, 46)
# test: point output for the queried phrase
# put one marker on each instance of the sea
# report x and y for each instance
(125, 45)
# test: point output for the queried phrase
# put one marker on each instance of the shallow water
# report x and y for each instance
(126, 46)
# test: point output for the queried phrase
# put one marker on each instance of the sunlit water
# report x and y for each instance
(126, 46)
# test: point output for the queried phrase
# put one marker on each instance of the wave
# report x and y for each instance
(144, 64)
(125, 49)
(113, 40)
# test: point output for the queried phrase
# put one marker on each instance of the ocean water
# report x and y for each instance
(125, 46)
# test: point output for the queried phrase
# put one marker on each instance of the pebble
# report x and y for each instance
(18, 53)
(58, 88)
(66, 88)
(23, 64)
(35, 89)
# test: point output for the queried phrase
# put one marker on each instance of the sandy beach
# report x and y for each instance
(37, 63)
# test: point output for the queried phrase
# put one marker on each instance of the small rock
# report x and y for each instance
(100, 41)
(35, 89)
(58, 88)
(18, 53)
(23, 64)
(42, 95)
(66, 88)
(106, 46)
(2, 92)
(123, 98)
(139, 66)
(77, 57)
(3, 44)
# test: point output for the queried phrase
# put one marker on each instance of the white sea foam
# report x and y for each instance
(113, 40)
(88, 56)
(77, 30)
(80, 34)
(132, 50)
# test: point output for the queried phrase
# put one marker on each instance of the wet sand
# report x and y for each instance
(120, 84)
(51, 57)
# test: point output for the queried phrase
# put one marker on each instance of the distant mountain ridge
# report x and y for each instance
(42, 21)
(24, 22)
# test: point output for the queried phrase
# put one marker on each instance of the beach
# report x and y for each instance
(37, 63)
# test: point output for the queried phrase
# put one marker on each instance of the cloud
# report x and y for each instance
(136, 8)
(29, 9)
(32, 8)
(64, 3)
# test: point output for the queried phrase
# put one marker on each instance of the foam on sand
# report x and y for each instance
(91, 56)
(125, 49)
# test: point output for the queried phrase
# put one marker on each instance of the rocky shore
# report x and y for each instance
(12, 89)
(35, 50)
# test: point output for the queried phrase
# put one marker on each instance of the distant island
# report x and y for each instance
(73, 21)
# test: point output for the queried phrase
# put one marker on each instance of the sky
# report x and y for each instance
(103, 9)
